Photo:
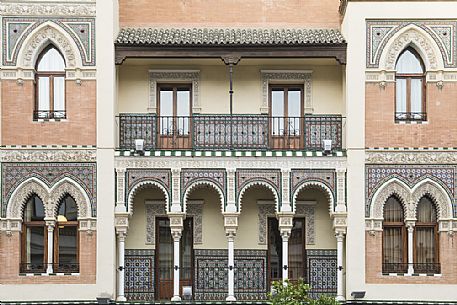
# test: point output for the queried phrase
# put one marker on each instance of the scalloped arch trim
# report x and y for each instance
(198, 183)
(141, 185)
(315, 184)
(258, 183)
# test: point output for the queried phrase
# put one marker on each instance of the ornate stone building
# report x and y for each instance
(185, 151)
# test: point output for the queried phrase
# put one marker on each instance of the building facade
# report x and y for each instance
(180, 150)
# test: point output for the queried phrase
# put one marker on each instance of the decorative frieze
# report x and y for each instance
(79, 8)
(48, 155)
(411, 157)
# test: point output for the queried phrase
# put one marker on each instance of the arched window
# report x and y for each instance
(394, 243)
(66, 258)
(50, 85)
(410, 87)
(34, 237)
(426, 238)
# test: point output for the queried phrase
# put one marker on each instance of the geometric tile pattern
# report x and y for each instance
(325, 176)
(443, 32)
(213, 175)
(211, 274)
(245, 176)
(17, 29)
(139, 275)
(377, 175)
(161, 176)
(13, 174)
(322, 272)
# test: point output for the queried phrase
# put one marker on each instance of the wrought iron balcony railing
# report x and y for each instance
(48, 115)
(429, 268)
(225, 132)
(42, 267)
(410, 116)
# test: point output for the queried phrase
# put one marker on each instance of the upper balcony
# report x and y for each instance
(231, 132)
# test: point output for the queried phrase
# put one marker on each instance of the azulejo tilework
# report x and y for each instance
(139, 275)
(160, 176)
(300, 176)
(192, 177)
(322, 272)
(443, 32)
(245, 177)
(17, 29)
(211, 274)
(377, 175)
(13, 174)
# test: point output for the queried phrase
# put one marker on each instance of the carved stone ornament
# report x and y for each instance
(265, 211)
(153, 209)
(309, 213)
(48, 9)
(417, 39)
(319, 185)
(40, 39)
(183, 76)
(409, 198)
(384, 157)
(259, 183)
(275, 76)
(50, 198)
(67, 155)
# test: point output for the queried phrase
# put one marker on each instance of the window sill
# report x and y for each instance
(50, 120)
(410, 122)
(412, 274)
(49, 274)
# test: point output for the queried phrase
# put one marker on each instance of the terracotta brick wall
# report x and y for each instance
(373, 263)
(440, 130)
(224, 13)
(10, 257)
(18, 127)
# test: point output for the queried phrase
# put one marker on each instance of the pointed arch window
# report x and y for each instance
(50, 85)
(66, 238)
(34, 237)
(394, 238)
(426, 240)
(410, 87)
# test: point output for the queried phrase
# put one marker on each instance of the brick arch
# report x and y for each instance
(197, 183)
(415, 37)
(141, 185)
(266, 184)
(45, 34)
(391, 187)
(439, 196)
(315, 184)
(22, 193)
(68, 186)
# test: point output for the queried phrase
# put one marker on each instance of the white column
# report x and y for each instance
(176, 239)
(339, 259)
(410, 248)
(231, 267)
(121, 268)
(50, 225)
(285, 254)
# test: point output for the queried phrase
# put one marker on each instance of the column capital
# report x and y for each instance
(50, 223)
(340, 221)
(340, 235)
(121, 222)
(176, 171)
(410, 224)
(120, 170)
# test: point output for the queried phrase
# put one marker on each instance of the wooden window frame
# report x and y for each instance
(404, 234)
(275, 139)
(56, 242)
(50, 75)
(408, 77)
(429, 225)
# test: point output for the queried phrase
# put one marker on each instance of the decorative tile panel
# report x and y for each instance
(13, 174)
(322, 272)
(190, 176)
(211, 274)
(377, 175)
(443, 32)
(247, 176)
(17, 29)
(309, 213)
(161, 176)
(195, 211)
(139, 275)
(153, 210)
(325, 176)
(265, 211)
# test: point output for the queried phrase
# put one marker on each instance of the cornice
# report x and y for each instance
(57, 155)
(48, 8)
(411, 157)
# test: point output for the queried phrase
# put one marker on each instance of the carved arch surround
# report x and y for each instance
(40, 38)
(314, 184)
(141, 185)
(258, 183)
(50, 197)
(198, 183)
(409, 198)
(419, 40)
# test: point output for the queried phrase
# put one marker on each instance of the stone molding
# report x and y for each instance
(49, 8)
(49, 196)
(175, 76)
(48, 155)
(284, 76)
(409, 157)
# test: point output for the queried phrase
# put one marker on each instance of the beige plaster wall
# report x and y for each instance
(327, 86)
